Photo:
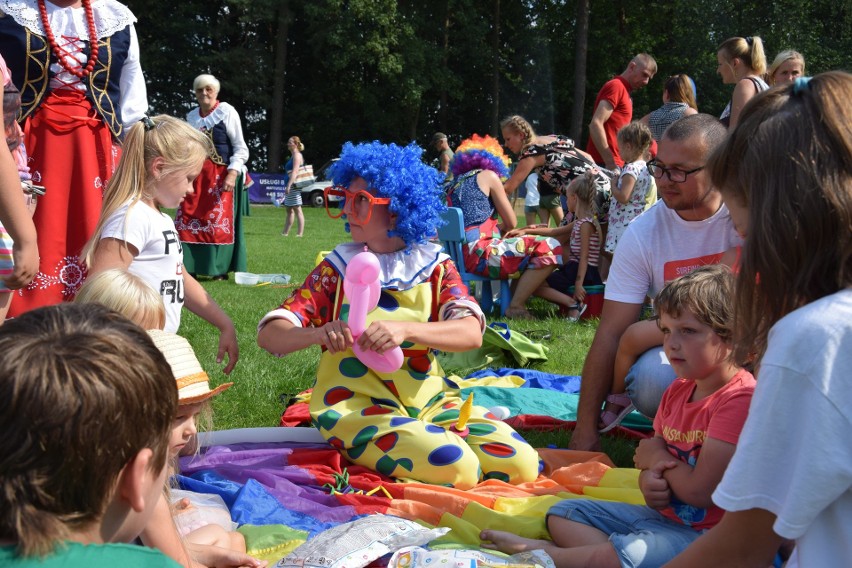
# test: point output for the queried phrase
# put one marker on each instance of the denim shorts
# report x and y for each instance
(641, 536)
(647, 379)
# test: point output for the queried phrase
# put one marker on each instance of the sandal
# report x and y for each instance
(581, 309)
(617, 408)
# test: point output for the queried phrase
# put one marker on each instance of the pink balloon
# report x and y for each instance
(361, 286)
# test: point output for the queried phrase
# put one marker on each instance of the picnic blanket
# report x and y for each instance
(285, 493)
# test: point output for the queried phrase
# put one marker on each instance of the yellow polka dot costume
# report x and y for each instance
(399, 423)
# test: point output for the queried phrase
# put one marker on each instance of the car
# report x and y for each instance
(314, 194)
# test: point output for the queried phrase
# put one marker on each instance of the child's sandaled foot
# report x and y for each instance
(617, 407)
(519, 313)
(510, 543)
(576, 311)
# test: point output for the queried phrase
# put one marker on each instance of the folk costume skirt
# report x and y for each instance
(73, 155)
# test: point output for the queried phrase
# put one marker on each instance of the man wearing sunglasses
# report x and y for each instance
(690, 228)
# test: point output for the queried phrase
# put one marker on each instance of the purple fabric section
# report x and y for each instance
(267, 464)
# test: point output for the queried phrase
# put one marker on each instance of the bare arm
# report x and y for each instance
(494, 188)
(597, 371)
(638, 338)
(199, 302)
(743, 93)
(692, 485)
(18, 223)
(297, 163)
(741, 539)
(450, 335)
(559, 232)
(445, 163)
(112, 253)
(161, 533)
(622, 194)
(585, 242)
(598, 135)
(522, 170)
(281, 336)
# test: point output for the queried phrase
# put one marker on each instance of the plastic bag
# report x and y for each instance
(203, 509)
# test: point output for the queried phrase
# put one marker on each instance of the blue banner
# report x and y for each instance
(267, 187)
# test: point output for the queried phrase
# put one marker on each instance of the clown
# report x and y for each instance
(400, 423)
(479, 167)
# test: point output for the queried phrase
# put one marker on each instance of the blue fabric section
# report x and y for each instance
(251, 504)
(534, 379)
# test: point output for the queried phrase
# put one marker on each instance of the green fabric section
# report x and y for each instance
(501, 347)
(542, 403)
(271, 542)
(213, 260)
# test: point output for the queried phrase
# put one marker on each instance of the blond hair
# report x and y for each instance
(706, 293)
(518, 123)
(124, 292)
(680, 89)
(749, 50)
(298, 142)
(586, 190)
(638, 136)
(781, 58)
(181, 147)
(83, 390)
(799, 248)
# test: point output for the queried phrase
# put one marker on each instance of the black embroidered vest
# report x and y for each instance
(28, 57)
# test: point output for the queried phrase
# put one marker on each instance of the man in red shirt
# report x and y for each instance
(614, 109)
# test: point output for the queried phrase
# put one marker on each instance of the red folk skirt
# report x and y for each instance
(73, 155)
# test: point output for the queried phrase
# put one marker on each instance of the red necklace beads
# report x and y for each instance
(93, 40)
(203, 114)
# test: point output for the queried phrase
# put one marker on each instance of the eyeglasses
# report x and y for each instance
(358, 206)
(674, 174)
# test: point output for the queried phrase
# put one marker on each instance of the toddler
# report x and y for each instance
(635, 190)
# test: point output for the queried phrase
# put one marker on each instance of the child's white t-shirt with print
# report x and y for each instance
(160, 258)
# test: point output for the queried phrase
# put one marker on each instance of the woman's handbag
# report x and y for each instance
(304, 177)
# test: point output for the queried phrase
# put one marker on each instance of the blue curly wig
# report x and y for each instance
(398, 173)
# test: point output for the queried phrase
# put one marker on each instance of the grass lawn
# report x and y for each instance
(260, 379)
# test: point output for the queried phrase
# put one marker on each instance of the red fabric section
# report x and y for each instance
(207, 216)
(72, 154)
(548, 424)
(298, 414)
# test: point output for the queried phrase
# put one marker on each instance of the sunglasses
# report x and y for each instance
(357, 206)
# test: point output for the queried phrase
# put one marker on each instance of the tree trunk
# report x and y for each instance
(276, 121)
(580, 56)
(495, 86)
(445, 62)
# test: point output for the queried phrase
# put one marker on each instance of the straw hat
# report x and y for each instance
(192, 382)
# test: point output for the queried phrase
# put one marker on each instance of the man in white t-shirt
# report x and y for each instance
(691, 228)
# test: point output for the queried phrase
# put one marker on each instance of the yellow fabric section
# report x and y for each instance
(271, 542)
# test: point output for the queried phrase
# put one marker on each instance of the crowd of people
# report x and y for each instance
(739, 228)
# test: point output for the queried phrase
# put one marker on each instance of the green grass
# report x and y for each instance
(260, 378)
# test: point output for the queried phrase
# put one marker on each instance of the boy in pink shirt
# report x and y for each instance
(696, 431)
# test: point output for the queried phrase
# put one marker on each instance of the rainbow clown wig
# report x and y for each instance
(398, 173)
(480, 153)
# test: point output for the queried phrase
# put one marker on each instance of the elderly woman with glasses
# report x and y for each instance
(209, 221)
